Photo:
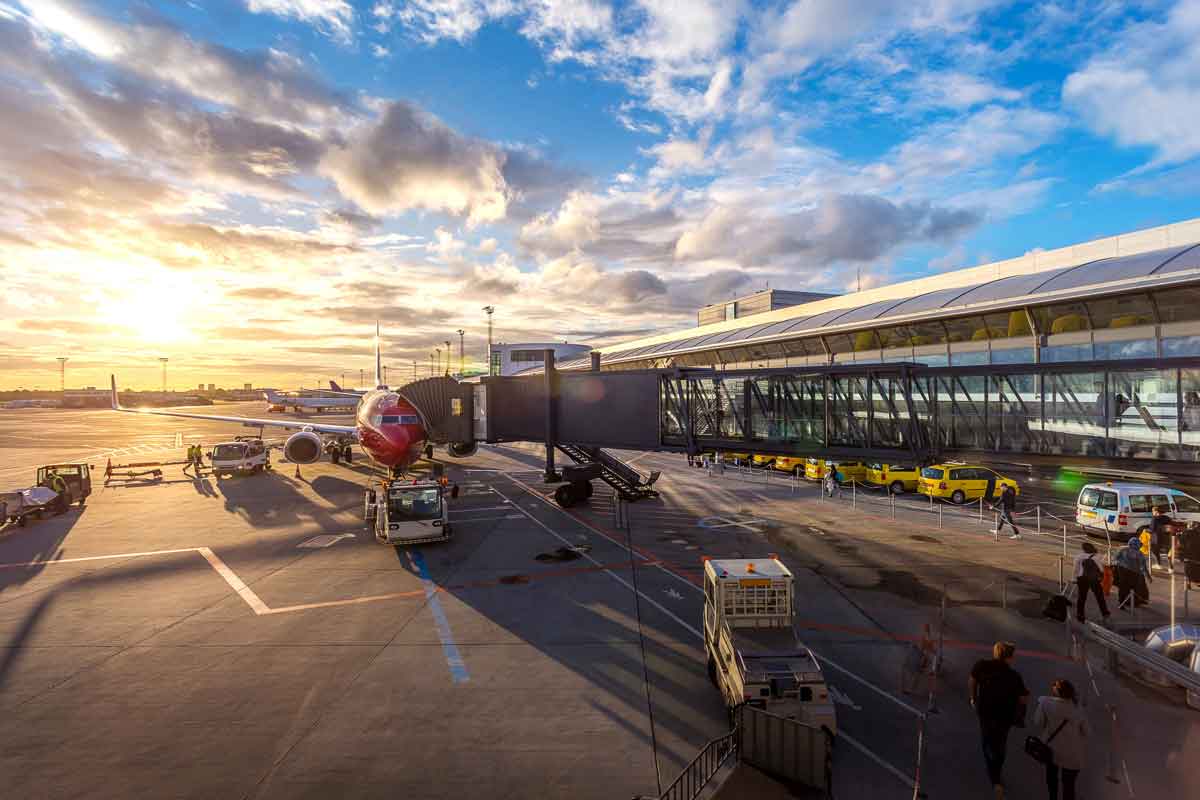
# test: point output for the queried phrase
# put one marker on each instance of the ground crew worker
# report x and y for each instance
(190, 460)
(55, 482)
(199, 457)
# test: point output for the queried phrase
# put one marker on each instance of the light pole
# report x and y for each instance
(431, 367)
(448, 353)
(62, 373)
(462, 362)
(164, 374)
(360, 377)
(489, 310)
(438, 350)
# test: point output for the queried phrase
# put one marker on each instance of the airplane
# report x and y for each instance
(386, 426)
(336, 388)
(280, 402)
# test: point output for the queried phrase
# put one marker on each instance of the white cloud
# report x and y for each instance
(379, 51)
(336, 16)
(487, 246)
(1145, 89)
(408, 159)
(958, 90)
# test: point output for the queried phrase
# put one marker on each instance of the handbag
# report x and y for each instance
(1040, 751)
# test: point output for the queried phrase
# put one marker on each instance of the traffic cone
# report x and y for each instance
(297, 470)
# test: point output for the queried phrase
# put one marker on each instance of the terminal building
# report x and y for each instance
(509, 359)
(1091, 350)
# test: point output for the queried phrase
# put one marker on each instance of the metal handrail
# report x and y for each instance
(696, 775)
(1147, 659)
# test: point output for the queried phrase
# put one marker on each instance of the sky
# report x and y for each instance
(245, 186)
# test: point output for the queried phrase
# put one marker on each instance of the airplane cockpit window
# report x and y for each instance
(391, 419)
(409, 419)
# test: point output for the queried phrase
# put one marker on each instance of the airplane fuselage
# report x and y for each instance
(389, 429)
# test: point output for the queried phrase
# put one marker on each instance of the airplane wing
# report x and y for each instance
(286, 424)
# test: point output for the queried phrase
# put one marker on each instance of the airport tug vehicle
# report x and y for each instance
(245, 455)
(753, 654)
(403, 511)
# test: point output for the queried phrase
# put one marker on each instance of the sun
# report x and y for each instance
(154, 309)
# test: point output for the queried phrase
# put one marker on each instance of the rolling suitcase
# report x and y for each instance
(1057, 607)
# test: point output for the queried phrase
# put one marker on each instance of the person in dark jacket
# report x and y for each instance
(1089, 577)
(1007, 504)
(999, 697)
(1133, 574)
(1160, 537)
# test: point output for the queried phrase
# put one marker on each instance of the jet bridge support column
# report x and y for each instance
(551, 373)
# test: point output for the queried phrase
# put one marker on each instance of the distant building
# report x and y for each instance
(246, 387)
(509, 359)
(212, 387)
(200, 387)
(757, 303)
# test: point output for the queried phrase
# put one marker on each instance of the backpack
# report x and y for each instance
(1056, 608)
(1092, 571)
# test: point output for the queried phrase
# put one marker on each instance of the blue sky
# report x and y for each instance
(248, 183)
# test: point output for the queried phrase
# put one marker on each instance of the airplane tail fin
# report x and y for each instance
(269, 395)
(378, 359)
(334, 386)
(116, 404)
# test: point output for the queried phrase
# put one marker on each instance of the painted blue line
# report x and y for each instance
(454, 659)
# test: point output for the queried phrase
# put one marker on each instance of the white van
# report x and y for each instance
(1126, 508)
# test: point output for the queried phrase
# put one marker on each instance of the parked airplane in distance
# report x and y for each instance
(281, 401)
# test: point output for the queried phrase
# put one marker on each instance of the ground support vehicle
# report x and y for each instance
(403, 511)
(78, 478)
(959, 483)
(245, 455)
(753, 654)
(19, 505)
(1125, 509)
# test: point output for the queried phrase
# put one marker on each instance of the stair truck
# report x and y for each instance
(405, 512)
(753, 654)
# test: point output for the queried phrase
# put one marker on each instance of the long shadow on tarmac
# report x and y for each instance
(39, 540)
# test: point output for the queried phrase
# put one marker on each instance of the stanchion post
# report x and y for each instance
(853, 493)
(1039, 518)
(981, 509)
(893, 503)
(939, 508)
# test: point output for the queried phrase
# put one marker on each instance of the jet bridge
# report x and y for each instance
(1132, 415)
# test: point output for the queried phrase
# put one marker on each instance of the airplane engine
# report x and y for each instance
(303, 447)
(462, 449)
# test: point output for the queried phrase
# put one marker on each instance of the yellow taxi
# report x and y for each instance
(763, 461)
(790, 464)
(899, 478)
(735, 458)
(815, 469)
(962, 482)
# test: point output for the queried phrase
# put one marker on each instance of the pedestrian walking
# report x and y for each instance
(1133, 574)
(1089, 577)
(198, 458)
(1062, 725)
(1007, 504)
(999, 697)
(1160, 538)
(831, 484)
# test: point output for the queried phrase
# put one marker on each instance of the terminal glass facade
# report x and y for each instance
(1144, 413)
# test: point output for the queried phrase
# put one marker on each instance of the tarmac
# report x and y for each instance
(248, 638)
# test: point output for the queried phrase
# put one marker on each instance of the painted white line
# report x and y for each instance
(325, 540)
(235, 583)
(546, 501)
(50, 563)
(487, 519)
(609, 572)
(869, 685)
(481, 508)
(845, 737)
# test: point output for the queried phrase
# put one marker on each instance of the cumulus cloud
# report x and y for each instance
(1154, 70)
(266, 84)
(333, 16)
(409, 159)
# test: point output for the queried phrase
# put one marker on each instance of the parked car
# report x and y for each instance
(899, 478)
(790, 464)
(1126, 508)
(814, 469)
(960, 483)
